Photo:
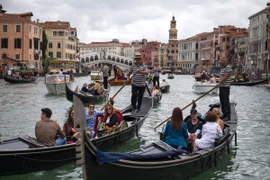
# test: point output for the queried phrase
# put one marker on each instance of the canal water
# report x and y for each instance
(20, 107)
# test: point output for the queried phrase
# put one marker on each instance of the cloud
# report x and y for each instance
(129, 20)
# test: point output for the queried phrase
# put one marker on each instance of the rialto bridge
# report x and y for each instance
(95, 60)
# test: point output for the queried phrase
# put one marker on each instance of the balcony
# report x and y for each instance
(255, 38)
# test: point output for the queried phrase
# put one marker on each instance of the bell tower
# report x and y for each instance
(173, 30)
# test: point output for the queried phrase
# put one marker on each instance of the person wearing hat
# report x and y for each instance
(156, 71)
(46, 130)
(194, 125)
(139, 72)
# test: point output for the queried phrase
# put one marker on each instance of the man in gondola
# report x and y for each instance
(139, 72)
(46, 130)
(224, 88)
(91, 116)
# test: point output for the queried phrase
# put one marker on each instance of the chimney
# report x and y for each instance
(37, 20)
(268, 5)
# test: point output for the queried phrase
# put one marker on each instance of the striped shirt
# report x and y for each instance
(226, 69)
(138, 79)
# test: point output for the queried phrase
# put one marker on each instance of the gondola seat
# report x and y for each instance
(102, 120)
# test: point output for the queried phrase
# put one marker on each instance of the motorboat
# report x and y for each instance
(56, 84)
(204, 87)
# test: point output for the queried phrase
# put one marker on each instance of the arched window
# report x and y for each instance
(130, 63)
(122, 61)
(109, 57)
(87, 59)
(118, 60)
(96, 57)
(82, 60)
(91, 58)
(126, 61)
(113, 58)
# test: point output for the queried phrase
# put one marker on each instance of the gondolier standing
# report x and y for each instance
(139, 72)
(156, 71)
(224, 88)
(105, 71)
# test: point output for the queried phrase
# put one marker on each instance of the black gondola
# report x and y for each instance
(17, 81)
(156, 161)
(164, 87)
(25, 154)
(249, 83)
(86, 98)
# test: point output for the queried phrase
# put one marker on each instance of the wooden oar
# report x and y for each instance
(189, 104)
(116, 93)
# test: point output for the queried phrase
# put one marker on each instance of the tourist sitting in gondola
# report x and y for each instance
(91, 89)
(219, 121)
(155, 91)
(46, 130)
(111, 119)
(84, 88)
(98, 89)
(91, 116)
(175, 132)
(194, 125)
(69, 129)
(119, 75)
(210, 131)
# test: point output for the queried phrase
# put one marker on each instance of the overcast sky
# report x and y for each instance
(127, 20)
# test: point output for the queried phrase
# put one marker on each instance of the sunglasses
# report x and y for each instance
(91, 107)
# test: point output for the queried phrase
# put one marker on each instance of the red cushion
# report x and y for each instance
(119, 116)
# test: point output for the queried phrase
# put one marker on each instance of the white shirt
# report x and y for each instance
(210, 131)
(9, 72)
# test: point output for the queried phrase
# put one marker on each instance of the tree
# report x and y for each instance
(43, 47)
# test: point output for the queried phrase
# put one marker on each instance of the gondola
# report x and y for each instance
(170, 76)
(87, 98)
(249, 83)
(164, 87)
(114, 82)
(25, 155)
(156, 161)
(17, 81)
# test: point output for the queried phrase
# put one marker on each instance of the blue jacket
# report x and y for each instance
(176, 138)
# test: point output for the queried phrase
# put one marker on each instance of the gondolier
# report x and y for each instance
(139, 72)
(224, 88)
(105, 71)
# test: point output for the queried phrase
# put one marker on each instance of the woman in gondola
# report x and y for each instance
(111, 118)
(175, 132)
(119, 75)
(210, 131)
(69, 129)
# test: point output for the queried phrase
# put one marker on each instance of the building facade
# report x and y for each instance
(113, 47)
(20, 39)
(163, 55)
(189, 54)
(258, 37)
(62, 40)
